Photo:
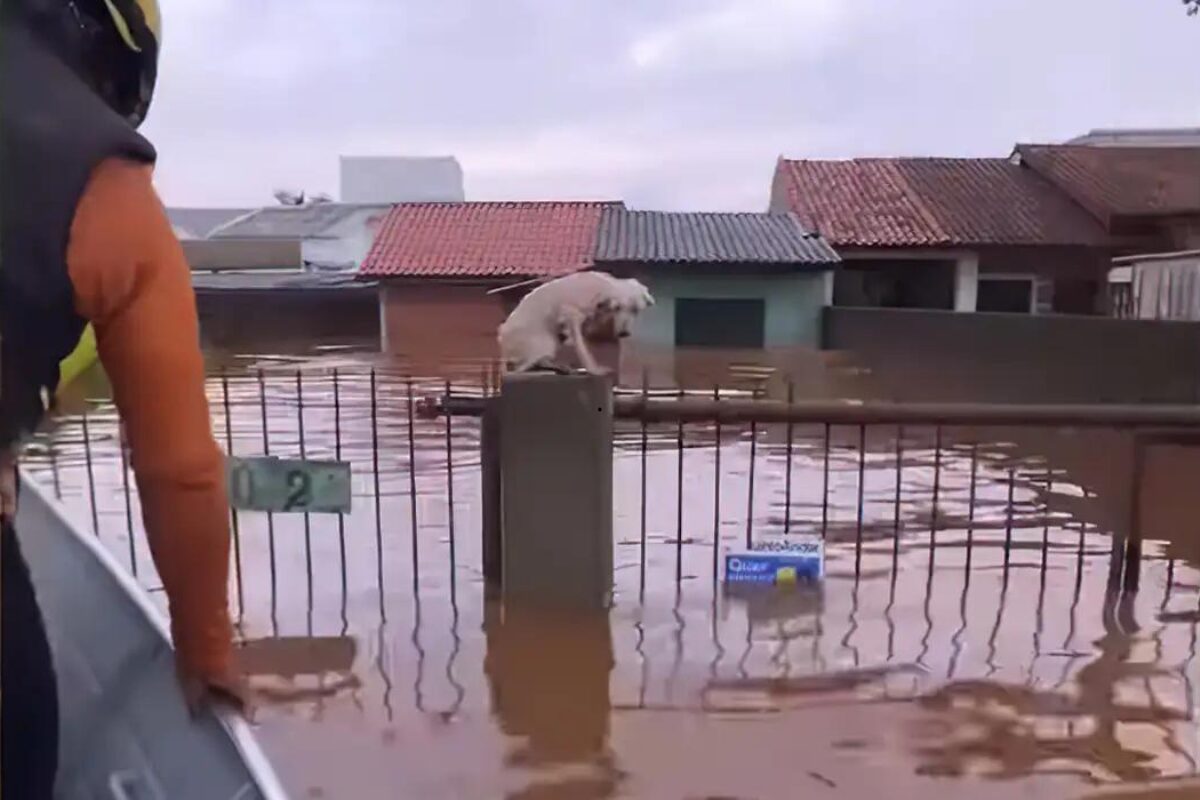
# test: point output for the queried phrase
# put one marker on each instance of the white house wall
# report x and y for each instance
(390, 179)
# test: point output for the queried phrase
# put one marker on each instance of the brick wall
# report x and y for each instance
(431, 322)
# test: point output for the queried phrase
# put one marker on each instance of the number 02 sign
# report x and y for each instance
(285, 485)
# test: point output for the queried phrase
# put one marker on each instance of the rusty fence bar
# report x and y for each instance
(643, 497)
(234, 519)
(378, 494)
(266, 443)
(129, 529)
(308, 555)
(412, 484)
(450, 499)
(680, 446)
(716, 547)
(337, 454)
(89, 461)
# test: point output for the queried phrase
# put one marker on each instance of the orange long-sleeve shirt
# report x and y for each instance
(132, 283)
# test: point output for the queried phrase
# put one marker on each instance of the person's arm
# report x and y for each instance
(132, 282)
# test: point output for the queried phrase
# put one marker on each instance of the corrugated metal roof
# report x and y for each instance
(934, 202)
(712, 238)
(504, 239)
(1140, 137)
(290, 222)
(1121, 181)
(276, 281)
(197, 223)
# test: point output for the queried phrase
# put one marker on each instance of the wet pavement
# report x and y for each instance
(962, 644)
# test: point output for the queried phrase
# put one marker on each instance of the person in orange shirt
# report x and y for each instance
(84, 239)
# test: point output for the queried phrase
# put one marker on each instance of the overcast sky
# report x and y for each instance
(674, 104)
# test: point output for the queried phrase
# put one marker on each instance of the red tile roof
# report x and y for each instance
(455, 240)
(934, 202)
(1121, 181)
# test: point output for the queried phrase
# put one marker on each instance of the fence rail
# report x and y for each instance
(681, 408)
(1149, 424)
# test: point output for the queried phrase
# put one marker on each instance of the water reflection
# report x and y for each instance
(548, 679)
(1000, 730)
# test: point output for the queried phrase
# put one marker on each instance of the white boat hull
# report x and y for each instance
(126, 733)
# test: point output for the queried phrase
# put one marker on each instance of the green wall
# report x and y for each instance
(793, 304)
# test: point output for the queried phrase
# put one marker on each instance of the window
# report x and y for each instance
(900, 283)
(735, 323)
(1005, 295)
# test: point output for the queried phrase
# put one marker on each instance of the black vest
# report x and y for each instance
(53, 132)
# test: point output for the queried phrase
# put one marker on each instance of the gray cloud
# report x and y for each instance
(664, 103)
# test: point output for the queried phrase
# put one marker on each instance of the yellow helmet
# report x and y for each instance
(130, 15)
(81, 359)
(139, 26)
(111, 44)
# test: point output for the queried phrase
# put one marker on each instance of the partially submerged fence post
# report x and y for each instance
(489, 454)
(556, 489)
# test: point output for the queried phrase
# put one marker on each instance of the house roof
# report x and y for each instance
(933, 202)
(679, 238)
(197, 223)
(501, 239)
(1140, 137)
(280, 281)
(307, 221)
(1121, 181)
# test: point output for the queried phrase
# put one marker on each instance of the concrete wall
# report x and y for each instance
(223, 255)
(943, 356)
(287, 321)
(793, 304)
(388, 179)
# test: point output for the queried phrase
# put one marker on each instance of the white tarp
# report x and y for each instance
(1167, 288)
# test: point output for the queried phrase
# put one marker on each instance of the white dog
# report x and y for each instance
(565, 311)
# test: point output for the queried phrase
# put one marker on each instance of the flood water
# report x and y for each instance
(962, 646)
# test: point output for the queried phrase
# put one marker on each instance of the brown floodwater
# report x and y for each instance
(946, 664)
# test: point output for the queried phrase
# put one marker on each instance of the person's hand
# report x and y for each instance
(229, 689)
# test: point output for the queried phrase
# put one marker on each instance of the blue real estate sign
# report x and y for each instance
(777, 561)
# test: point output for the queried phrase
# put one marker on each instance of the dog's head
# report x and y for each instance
(621, 309)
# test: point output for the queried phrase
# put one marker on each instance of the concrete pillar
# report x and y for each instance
(966, 282)
(830, 278)
(556, 489)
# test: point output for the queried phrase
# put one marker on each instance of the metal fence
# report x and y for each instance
(961, 547)
(695, 473)
(937, 432)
